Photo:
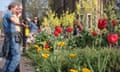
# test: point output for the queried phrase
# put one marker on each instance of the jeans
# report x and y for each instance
(5, 47)
(13, 57)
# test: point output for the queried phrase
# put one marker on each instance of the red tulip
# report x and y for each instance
(69, 29)
(105, 22)
(58, 29)
(56, 33)
(102, 23)
(94, 34)
(114, 22)
(46, 46)
(112, 38)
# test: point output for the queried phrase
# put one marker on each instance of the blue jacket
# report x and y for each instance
(33, 27)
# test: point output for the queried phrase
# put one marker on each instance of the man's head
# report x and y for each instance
(13, 7)
(19, 10)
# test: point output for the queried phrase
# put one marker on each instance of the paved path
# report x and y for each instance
(1, 60)
(26, 65)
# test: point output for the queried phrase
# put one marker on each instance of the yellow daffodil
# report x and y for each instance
(86, 70)
(44, 42)
(46, 49)
(38, 50)
(61, 44)
(72, 55)
(36, 46)
(45, 56)
(73, 70)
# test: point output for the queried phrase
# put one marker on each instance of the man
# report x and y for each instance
(12, 36)
(19, 15)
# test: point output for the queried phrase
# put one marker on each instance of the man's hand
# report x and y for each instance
(22, 24)
(28, 19)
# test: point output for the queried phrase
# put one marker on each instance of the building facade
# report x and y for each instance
(90, 10)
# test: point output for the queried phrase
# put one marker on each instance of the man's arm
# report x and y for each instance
(14, 21)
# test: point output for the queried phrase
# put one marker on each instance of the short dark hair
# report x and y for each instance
(13, 4)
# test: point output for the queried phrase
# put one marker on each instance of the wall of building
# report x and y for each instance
(90, 10)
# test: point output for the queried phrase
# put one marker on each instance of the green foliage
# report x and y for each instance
(97, 60)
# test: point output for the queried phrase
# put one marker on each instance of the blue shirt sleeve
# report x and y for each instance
(6, 21)
(9, 15)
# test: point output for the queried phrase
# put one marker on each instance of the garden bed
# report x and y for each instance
(76, 60)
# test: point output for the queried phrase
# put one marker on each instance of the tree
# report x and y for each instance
(60, 6)
(110, 8)
(35, 7)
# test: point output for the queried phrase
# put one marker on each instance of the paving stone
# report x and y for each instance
(26, 65)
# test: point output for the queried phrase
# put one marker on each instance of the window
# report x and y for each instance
(82, 18)
(89, 20)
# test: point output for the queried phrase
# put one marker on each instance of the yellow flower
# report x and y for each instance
(44, 42)
(73, 70)
(86, 70)
(27, 31)
(36, 46)
(67, 18)
(72, 55)
(45, 56)
(45, 22)
(38, 50)
(61, 44)
(46, 49)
